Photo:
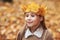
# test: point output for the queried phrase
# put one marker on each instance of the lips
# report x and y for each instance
(29, 22)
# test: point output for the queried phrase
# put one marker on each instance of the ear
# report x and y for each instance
(41, 18)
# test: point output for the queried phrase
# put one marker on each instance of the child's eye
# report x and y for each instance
(32, 15)
(27, 15)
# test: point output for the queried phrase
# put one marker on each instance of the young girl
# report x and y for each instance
(35, 28)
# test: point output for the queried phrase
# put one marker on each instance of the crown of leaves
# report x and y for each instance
(34, 7)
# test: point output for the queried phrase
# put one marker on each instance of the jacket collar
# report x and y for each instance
(38, 33)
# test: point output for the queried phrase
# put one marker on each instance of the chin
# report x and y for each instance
(29, 25)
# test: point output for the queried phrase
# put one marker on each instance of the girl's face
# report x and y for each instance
(32, 19)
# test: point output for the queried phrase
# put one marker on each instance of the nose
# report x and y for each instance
(29, 18)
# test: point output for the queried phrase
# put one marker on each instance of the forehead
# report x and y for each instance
(30, 13)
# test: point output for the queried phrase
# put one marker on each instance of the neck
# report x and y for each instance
(32, 29)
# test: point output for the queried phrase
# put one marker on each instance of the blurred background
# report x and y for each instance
(12, 17)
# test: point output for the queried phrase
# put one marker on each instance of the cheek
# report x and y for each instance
(25, 18)
(35, 20)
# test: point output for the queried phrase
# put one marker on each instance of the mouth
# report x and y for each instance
(29, 22)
